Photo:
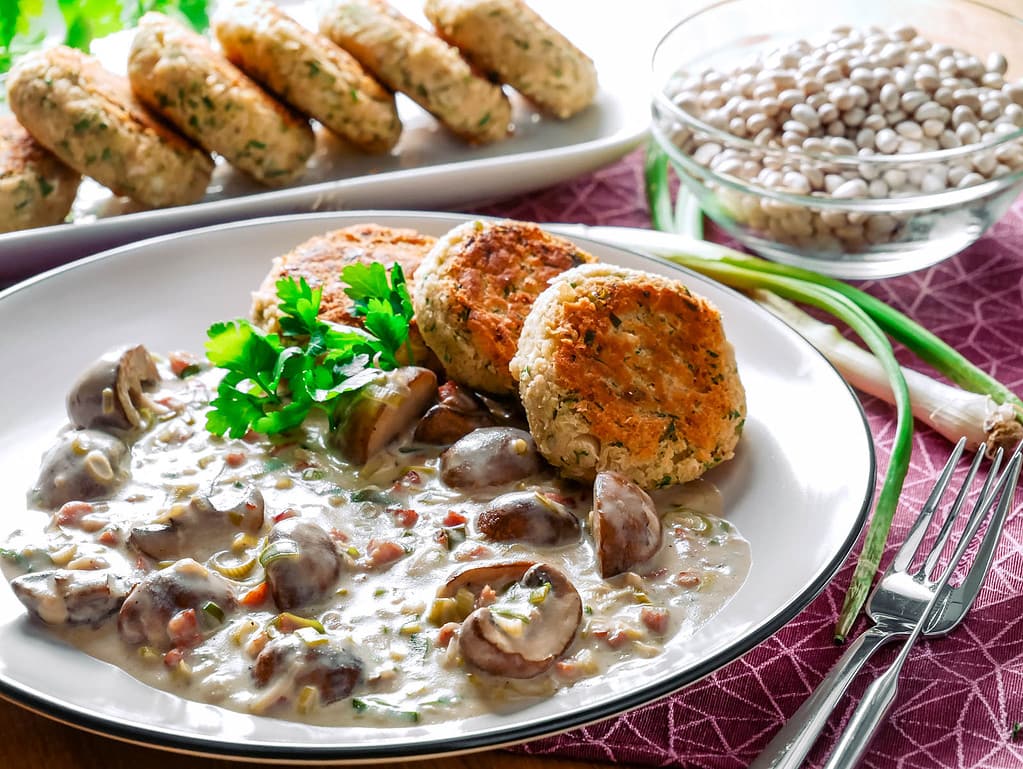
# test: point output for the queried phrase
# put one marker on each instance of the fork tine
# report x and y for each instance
(1004, 486)
(964, 490)
(916, 534)
(957, 600)
(880, 695)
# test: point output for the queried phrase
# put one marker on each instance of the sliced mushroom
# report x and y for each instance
(294, 663)
(302, 563)
(528, 516)
(523, 648)
(81, 465)
(490, 456)
(458, 412)
(152, 603)
(625, 526)
(65, 597)
(199, 529)
(382, 409)
(507, 412)
(108, 394)
(474, 578)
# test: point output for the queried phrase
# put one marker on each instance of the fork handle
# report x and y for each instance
(866, 719)
(793, 742)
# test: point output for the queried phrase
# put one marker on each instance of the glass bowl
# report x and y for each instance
(861, 230)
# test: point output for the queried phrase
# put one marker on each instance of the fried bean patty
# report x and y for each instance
(320, 260)
(176, 73)
(627, 371)
(88, 117)
(474, 290)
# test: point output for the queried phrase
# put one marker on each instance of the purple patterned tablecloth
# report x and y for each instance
(960, 695)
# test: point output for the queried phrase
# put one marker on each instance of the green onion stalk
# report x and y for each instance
(869, 318)
(898, 464)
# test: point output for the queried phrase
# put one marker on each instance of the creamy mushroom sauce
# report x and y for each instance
(381, 611)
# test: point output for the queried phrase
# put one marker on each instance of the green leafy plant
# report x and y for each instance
(272, 382)
(23, 26)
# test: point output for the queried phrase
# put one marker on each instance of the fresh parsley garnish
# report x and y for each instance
(385, 306)
(272, 382)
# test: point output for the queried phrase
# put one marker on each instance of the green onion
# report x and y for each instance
(509, 614)
(13, 556)
(952, 411)
(927, 346)
(363, 705)
(292, 622)
(311, 636)
(213, 610)
(282, 548)
(898, 465)
(824, 298)
(658, 193)
(539, 595)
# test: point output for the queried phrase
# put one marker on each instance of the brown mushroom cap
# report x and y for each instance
(64, 597)
(81, 465)
(457, 413)
(625, 526)
(185, 584)
(528, 516)
(486, 645)
(383, 409)
(490, 456)
(107, 395)
(474, 578)
(310, 573)
(334, 670)
(200, 529)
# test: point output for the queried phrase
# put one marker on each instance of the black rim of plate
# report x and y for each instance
(368, 751)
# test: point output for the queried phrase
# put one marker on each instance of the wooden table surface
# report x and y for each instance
(31, 741)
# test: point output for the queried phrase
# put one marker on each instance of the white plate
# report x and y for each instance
(798, 489)
(429, 169)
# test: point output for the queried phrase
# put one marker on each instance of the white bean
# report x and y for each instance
(909, 129)
(1014, 91)
(854, 188)
(912, 99)
(887, 141)
(706, 152)
(996, 62)
(889, 97)
(971, 179)
(806, 115)
(864, 92)
(933, 128)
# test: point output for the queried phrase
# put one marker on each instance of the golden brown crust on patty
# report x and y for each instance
(476, 288)
(512, 44)
(320, 260)
(176, 73)
(604, 364)
(308, 71)
(620, 370)
(88, 117)
(407, 58)
(36, 189)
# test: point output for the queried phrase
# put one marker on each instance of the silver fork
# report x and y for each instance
(896, 606)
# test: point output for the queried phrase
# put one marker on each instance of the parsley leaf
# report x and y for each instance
(273, 381)
(386, 307)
